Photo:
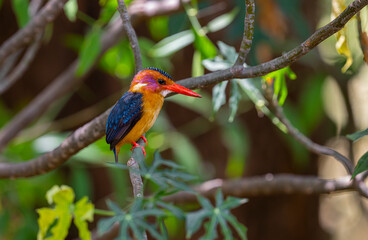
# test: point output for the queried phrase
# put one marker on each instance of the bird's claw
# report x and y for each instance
(145, 140)
(137, 145)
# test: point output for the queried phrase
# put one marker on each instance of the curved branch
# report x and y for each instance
(246, 43)
(25, 35)
(8, 170)
(309, 144)
(23, 65)
(266, 185)
(78, 140)
(129, 31)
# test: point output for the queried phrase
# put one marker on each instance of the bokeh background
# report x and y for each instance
(323, 103)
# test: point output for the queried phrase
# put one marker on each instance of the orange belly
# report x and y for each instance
(152, 104)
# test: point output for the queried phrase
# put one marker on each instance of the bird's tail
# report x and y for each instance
(116, 155)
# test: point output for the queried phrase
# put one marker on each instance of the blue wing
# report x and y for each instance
(123, 117)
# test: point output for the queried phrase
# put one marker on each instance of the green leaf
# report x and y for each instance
(20, 8)
(216, 64)
(63, 212)
(234, 100)
(361, 166)
(89, 51)
(219, 95)
(203, 44)
(277, 78)
(172, 44)
(83, 212)
(210, 229)
(233, 202)
(355, 136)
(108, 10)
(194, 220)
(239, 228)
(222, 21)
(197, 68)
(71, 9)
(46, 218)
(158, 27)
(60, 195)
(228, 52)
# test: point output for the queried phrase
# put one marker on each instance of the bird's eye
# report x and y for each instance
(161, 82)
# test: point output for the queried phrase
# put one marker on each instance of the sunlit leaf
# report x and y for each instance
(107, 11)
(219, 95)
(278, 81)
(21, 11)
(203, 44)
(172, 44)
(71, 9)
(83, 212)
(342, 46)
(62, 213)
(158, 27)
(197, 68)
(89, 51)
(355, 136)
(361, 166)
(222, 21)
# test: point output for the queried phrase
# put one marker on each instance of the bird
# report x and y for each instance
(137, 110)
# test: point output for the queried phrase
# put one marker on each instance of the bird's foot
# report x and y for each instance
(137, 145)
(145, 140)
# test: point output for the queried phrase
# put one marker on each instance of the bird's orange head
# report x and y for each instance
(154, 80)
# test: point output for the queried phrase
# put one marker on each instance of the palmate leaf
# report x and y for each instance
(62, 214)
(135, 220)
(216, 215)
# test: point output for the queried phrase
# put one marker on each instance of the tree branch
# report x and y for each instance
(67, 80)
(246, 43)
(266, 185)
(129, 31)
(309, 144)
(8, 170)
(25, 35)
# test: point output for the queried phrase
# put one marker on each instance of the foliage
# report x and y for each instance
(216, 215)
(357, 135)
(277, 80)
(361, 166)
(62, 213)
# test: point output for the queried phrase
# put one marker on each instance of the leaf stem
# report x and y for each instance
(104, 212)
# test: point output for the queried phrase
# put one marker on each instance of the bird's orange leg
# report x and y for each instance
(137, 145)
(145, 140)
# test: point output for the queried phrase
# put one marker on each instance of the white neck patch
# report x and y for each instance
(165, 92)
(138, 86)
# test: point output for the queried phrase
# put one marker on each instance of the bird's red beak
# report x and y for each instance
(180, 89)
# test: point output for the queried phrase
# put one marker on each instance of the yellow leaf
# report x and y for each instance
(342, 46)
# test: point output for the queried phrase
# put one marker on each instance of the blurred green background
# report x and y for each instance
(323, 103)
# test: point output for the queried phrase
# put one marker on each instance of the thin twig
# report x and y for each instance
(266, 185)
(23, 65)
(309, 144)
(25, 35)
(246, 43)
(131, 35)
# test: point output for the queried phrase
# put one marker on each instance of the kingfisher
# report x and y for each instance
(137, 110)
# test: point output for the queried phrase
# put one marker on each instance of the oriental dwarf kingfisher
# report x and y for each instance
(137, 110)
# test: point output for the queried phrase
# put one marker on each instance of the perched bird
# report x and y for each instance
(137, 110)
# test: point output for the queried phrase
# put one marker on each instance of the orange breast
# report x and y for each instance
(152, 104)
